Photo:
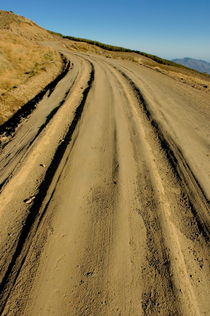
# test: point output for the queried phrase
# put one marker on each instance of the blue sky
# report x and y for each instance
(167, 28)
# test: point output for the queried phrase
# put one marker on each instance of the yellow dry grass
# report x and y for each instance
(25, 68)
(21, 59)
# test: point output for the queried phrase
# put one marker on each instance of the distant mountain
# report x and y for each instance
(197, 64)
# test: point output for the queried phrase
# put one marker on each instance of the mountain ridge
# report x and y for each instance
(196, 64)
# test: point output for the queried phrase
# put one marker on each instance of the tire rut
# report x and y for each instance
(23, 244)
(192, 206)
(178, 164)
(41, 128)
(8, 128)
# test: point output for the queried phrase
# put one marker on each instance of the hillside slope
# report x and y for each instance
(25, 65)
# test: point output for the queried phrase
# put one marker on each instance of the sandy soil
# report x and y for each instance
(105, 197)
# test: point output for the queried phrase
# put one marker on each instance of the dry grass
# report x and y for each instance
(21, 59)
(25, 65)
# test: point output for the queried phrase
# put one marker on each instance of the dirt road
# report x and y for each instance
(105, 197)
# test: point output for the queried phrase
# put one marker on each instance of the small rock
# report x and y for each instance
(42, 165)
(29, 200)
(89, 274)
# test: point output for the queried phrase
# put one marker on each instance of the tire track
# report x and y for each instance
(179, 166)
(160, 259)
(8, 128)
(32, 219)
(159, 289)
(192, 219)
(16, 147)
(27, 147)
(32, 169)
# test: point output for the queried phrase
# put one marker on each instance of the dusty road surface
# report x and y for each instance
(105, 197)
